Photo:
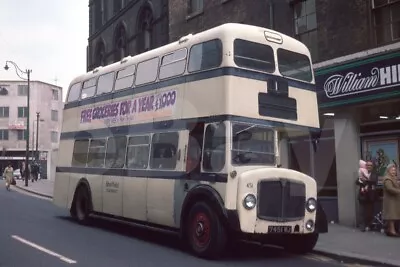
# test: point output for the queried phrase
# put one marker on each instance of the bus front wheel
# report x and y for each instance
(205, 231)
(301, 244)
(81, 206)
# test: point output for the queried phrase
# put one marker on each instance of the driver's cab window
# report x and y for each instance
(214, 147)
(252, 144)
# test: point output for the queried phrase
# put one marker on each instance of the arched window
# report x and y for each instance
(145, 29)
(100, 56)
(120, 50)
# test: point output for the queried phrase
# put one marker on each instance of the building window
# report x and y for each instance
(100, 54)
(22, 134)
(3, 91)
(22, 90)
(120, 43)
(22, 112)
(4, 112)
(54, 94)
(386, 20)
(3, 134)
(305, 21)
(145, 28)
(54, 115)
(195, 6)
(118, 5)
(54, 137)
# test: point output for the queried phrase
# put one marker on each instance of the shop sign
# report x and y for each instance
(367, 79)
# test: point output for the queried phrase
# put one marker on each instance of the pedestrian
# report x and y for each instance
(8, 175)
(367, 180)
(391, 200)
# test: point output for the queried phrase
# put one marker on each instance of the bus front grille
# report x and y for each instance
(281, 200)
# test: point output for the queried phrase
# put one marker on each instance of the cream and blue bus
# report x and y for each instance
(193, 137)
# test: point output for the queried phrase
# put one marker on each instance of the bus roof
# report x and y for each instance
(231, 30)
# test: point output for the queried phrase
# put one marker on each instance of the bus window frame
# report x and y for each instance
(84, 165)
(254, 69)
(106, 147)
(223, 168)
(156, 75)
(112, 87)
(172, 62)
(293, 78)
(105, 150)
(206, 41)
(231, 148)
(133, 80)
(79, 95)
(178, 133)
(96, 78)
(149, 135)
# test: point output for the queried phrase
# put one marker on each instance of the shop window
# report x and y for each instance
(163, 150)
(305, 21)
(386, 20)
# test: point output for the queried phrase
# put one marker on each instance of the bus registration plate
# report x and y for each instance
(274, 229)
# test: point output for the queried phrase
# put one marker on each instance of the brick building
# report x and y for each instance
(118, 28)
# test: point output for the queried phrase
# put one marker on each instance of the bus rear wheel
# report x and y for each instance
(81, 206)
(301, 244)
(205, 232)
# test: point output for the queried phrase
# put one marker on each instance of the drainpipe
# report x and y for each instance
(271, 14)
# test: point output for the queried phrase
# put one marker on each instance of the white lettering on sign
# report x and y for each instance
(353, 83)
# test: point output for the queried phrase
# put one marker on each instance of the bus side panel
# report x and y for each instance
(112, 190)
(134, 198)
(160, 201)
(61, 185)
(61, 181)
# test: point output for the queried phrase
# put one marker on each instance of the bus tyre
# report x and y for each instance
(81, 208)
(205, 232)
(301, 244)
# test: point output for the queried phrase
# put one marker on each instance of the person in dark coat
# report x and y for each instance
(368, 179)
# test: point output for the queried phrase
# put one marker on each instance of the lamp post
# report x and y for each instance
(38, 119)
(28, 74)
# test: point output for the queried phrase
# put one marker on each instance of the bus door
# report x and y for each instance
(166, 166)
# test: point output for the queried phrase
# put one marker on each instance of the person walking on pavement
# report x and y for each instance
(8, 175)
(391, 200)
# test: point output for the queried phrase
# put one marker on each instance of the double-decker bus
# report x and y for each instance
(193, 137)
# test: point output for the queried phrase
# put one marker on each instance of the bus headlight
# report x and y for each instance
(310, 225)
(249, 202)
(311, 205)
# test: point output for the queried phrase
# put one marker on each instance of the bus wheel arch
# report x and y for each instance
(203, 222)
(82, 205)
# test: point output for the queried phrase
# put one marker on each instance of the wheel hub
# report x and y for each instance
(199, 229)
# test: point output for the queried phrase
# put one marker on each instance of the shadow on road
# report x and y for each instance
(238, 252)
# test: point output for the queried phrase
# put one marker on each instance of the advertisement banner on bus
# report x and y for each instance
(136, 109)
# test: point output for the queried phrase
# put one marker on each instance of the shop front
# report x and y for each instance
(359, 106)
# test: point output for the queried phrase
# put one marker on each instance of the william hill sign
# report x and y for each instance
(353, 82)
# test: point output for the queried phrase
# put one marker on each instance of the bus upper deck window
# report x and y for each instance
(74, 92)
(294, 65)
(254, 56)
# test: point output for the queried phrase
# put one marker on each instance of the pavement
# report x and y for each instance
(342, 244)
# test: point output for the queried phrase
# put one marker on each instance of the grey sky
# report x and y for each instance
(47, 36)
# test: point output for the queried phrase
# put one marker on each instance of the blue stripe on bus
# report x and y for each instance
(154, 174)
(181, 124)
(225, 71)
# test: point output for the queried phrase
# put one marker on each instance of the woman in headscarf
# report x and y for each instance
(8, 175)
(391, 200)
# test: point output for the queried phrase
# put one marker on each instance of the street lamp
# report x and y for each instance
(37, 135)
(28, 73)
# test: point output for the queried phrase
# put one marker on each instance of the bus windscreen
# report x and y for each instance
(294, 65)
